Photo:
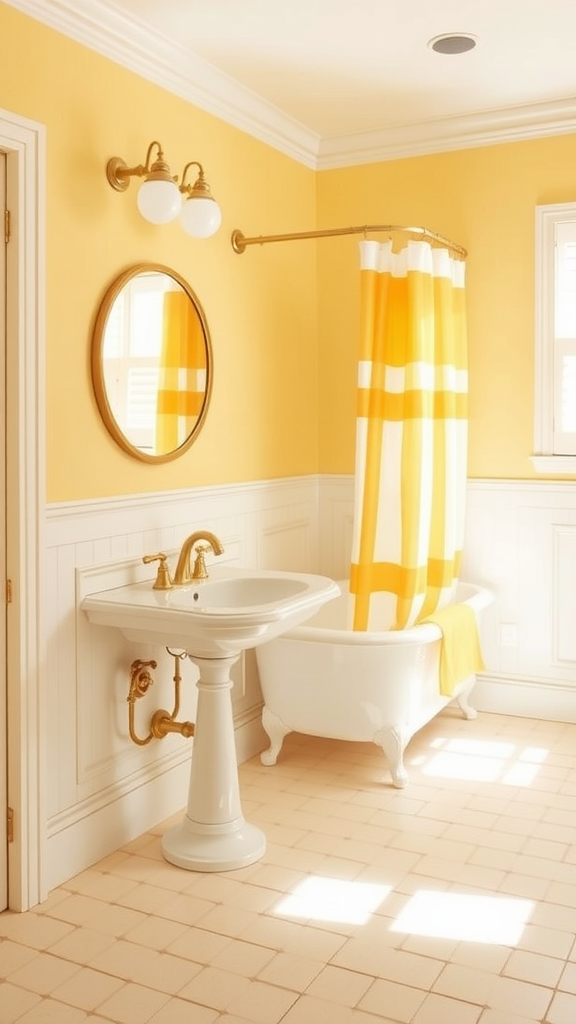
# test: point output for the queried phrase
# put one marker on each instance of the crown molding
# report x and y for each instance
(488, 128)
(109, 32)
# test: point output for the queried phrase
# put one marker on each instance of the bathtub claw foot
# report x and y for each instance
(463, 701)
(393, 742)
(276, 731)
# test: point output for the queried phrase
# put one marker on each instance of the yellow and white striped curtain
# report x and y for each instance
(182, 383)
(411, 444)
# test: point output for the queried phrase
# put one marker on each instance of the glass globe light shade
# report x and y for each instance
(159, 201)
(201, 216)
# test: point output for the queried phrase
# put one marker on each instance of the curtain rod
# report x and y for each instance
(240, 242)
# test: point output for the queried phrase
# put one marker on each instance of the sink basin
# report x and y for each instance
(232, 610)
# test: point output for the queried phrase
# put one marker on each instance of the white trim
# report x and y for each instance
(509, 124)
(130, 43)
(544, 460)
(24, 142)
(556, 465)
(544, 699)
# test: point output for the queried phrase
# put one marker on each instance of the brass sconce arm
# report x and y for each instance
(200, 185)
(162, 722)
(119, 174)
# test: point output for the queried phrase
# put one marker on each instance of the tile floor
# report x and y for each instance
(452, 901)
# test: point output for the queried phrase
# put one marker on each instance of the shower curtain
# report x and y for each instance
(182, 379)
(411, 441)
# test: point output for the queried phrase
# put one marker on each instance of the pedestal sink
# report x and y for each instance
(213, 621)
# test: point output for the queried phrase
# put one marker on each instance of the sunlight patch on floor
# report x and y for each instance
(447, 915)
(332, 899)
(483, 761)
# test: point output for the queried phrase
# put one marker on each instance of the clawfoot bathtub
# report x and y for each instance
(324, 679)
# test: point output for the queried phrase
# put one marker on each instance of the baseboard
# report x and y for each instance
(547, 700)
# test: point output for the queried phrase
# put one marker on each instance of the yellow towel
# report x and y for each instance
(460, 654)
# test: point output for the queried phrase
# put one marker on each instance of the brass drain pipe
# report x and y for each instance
(162, 722)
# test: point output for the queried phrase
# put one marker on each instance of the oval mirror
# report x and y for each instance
(152, 363)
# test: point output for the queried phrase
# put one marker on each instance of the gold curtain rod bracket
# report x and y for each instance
(240, 242)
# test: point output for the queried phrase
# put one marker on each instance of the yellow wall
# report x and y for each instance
(260, 307)
(485, 200)
(277, 312)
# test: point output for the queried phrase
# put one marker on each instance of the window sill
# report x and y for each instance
(554, 464)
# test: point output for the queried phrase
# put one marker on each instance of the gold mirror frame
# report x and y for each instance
(101, 391)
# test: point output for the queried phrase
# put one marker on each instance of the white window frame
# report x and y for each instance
(544, 459)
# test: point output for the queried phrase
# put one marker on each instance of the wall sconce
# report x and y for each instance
(159, 197)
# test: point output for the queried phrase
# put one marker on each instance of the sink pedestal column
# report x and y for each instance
(213, 835)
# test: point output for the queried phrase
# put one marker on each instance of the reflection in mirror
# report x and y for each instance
(151, 363)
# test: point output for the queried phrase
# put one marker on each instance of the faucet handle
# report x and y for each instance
(200, 571)
(162, 581)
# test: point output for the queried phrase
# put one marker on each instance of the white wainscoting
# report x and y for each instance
(102, 790)
(521, 543)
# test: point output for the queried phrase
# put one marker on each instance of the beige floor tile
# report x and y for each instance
(244, 958)
(399, 1002)
(15, 1001)
(33, 930)
(541, 970)
(263, 1004)
(125, 960)
(49, 1011)
(169, 974)
(87, 989)
(482, 956)
(316, 1011)
(525, 886)
(156, 933)
(150, 899)
(183, 908)
(215, 988)
(132, 1004)
(135, 940)
(499, 1017)
(181, 1011)
(43, 974)
(13, 956)
(520, 997)
(546, 940)
(340, 986)
(438, 1009)
(81, 945)
(465, 983)
(426, 945)
(289, 970)
(226, 920)
(199, 946)
(100, 885)
(552, 915)
(567, 982)
(562, 1009)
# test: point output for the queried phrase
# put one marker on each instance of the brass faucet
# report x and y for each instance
(183, 573)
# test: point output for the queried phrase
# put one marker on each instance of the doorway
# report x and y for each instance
(22, 462)
(3, 690)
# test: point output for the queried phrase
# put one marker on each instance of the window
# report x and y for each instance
(132, 352)
(555, 384)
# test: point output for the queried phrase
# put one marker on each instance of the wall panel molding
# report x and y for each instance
(102, 791)
(97, 778)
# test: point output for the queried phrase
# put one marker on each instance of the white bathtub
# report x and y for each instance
(324, 679)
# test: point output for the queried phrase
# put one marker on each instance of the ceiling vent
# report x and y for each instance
(453, 42)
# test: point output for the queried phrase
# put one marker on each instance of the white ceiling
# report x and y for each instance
(336, 82)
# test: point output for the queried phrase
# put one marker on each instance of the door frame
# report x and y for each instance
(24, 142)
